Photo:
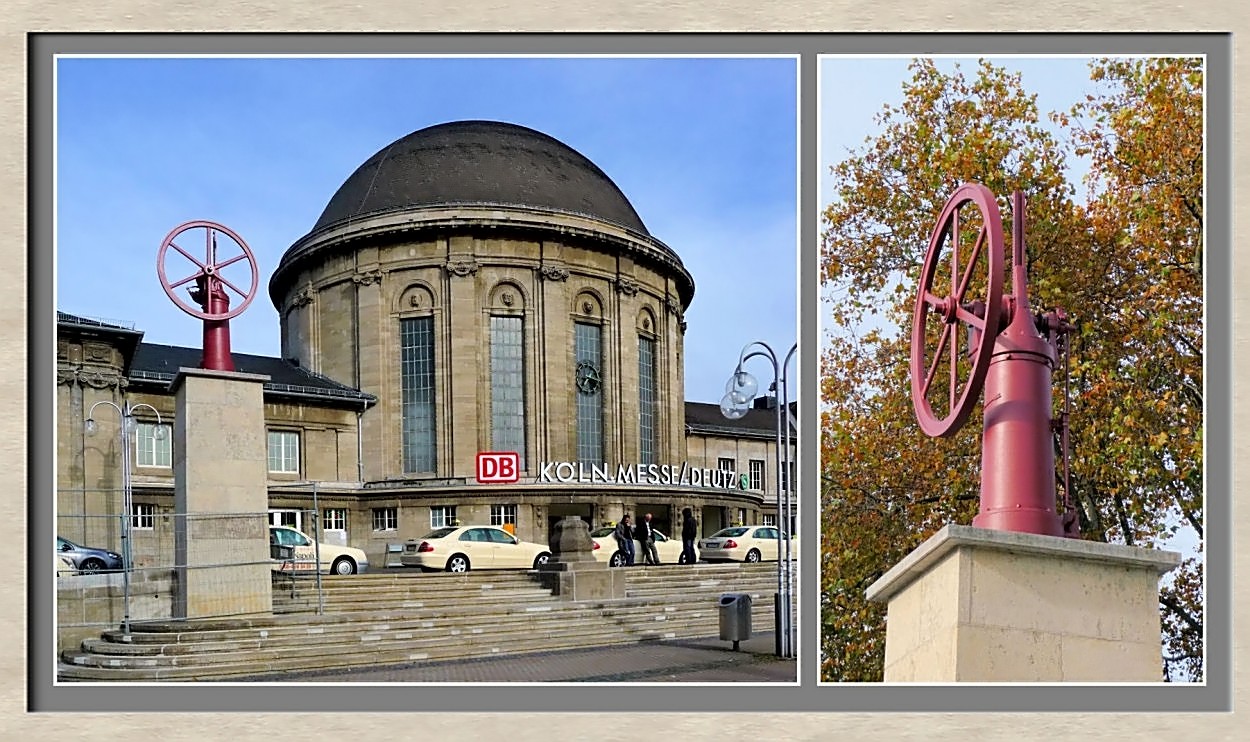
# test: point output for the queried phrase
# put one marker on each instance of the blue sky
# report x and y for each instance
(704, 148)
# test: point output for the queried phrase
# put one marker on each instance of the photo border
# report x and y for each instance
(1214, 695)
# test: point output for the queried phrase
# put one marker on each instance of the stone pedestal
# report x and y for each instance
(573, 573)
(221, 534)
(980, 605)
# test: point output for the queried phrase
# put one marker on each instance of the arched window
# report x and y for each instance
(507, 371)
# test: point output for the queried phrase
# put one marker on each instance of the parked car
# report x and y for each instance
(605, 549)
(339, 560)
(744, 544)
(461, 548)
(88, 560)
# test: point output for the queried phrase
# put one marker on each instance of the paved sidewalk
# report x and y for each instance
(682, 661)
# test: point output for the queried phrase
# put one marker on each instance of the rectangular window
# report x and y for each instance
(588, 353)
(442, 516)
(502, 515)
(742, 516)
(768, 519)
(385, 519)
(724, 464)
(153, 445)
(757, 474)
(142, 516)
(284, 452)
(507, 385)
(646, 401)
(416, 378)
(334, 519)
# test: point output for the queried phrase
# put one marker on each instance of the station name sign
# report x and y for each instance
(571, 472)
(503, 467)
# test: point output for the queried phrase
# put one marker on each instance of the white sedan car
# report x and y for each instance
(667, 549)
(461, 548)
(744, 544)
(339, 560)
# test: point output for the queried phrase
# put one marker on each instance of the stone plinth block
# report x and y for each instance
(221, 502)
(573, 573)
(979, 605)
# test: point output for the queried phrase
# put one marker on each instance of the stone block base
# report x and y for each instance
(979, 605)
(582, 580)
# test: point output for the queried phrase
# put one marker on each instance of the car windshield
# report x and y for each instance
(439, 532)
(729, 532)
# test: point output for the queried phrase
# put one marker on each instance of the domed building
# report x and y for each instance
(479, 328)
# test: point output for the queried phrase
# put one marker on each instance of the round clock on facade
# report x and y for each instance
(588, 380)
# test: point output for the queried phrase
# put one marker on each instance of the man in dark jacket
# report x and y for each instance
(646, 536)
(689, 531)
(624, 536)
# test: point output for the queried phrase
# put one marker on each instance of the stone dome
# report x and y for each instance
(480, 162)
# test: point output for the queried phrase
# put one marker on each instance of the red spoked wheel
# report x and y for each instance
(957, 291)
(210, 271)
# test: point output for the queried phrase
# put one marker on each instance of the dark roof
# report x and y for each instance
(480, 162)
(158, 364)
(706, 418)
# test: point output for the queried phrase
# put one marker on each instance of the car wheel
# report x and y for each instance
(541, 559)
(91, 566)
(753, 556)
(617, 560)
(343, 566)
(458, 563)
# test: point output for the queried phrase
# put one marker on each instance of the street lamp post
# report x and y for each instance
(126, 413)
(739, 393)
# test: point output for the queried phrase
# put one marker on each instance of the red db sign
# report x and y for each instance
(498, 467)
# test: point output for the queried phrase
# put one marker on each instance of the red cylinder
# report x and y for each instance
(1018, 461)
(217, 332)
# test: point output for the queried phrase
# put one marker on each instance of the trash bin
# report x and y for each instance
(735, 617)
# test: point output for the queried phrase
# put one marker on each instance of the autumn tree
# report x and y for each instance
(1126, 263)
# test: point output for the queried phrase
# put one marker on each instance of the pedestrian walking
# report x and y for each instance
(624, 535)
(689, 532)
(645, 533)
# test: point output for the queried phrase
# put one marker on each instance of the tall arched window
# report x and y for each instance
(647, 423)
(588, 352)
(507, 384)
(416, 383)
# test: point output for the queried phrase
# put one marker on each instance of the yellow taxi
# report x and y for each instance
(605, 550)
(744, 544)
(461, 548)
(339, 560)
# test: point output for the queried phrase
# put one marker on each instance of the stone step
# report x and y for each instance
(384, 618)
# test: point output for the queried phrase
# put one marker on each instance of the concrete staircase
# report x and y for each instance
(400, 617)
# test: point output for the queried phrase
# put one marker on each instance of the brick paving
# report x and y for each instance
(686, 661)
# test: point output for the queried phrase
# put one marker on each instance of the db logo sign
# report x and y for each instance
(498, 467)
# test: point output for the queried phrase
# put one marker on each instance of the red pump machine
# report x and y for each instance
(209, 294)
(1010, 352)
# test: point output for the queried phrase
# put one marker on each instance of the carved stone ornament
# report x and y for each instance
(72, 375)
(674, 306)
(367, 278)
(627, 286)
(555, 273)
(682, 325)
(646, 323)
(588, 308)
(461, 268)
(414, 299)
(302, 298)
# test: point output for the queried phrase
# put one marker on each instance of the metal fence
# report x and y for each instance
(158, 565)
